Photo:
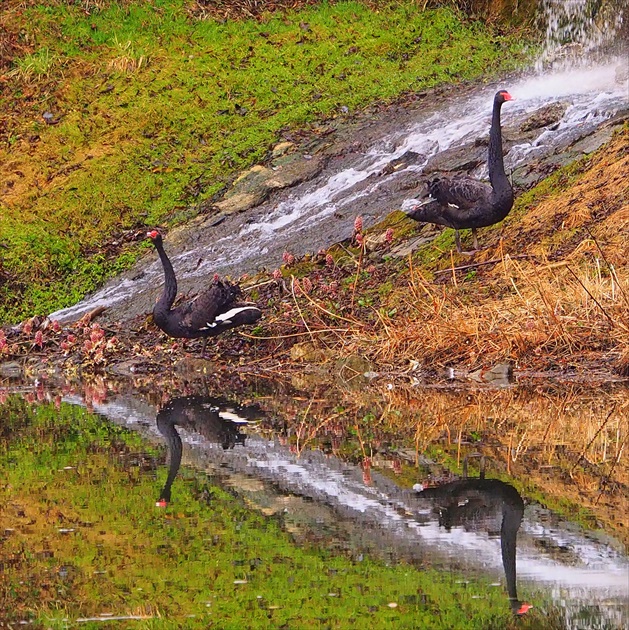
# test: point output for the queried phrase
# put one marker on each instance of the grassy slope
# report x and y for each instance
(68, 471)
(155, 111)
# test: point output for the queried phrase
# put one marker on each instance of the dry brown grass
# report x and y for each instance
(555, 295)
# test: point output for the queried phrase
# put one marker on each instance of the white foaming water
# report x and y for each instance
(593, 96)
(577, 30)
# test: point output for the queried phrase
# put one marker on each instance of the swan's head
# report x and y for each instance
(154, 235)
(502, 96)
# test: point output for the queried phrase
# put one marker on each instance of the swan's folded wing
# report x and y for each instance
(463, 192)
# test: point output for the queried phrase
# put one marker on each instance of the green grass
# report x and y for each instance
(157, 112)
(66, 469)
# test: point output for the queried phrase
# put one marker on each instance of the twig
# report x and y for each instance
(612, 271)
(452, 269)
(260, 284)
(612, 324)
(358, 269)
(299, 334)
(585, 450)
(330, 313)
(611, 470)
(292, 290)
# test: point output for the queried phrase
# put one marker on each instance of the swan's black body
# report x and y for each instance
(212, 312)
(463, 202)
(483, 504)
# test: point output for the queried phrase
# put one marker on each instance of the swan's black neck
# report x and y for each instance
(166, 426)
(170, 286)
(495, 162)
(512, 513)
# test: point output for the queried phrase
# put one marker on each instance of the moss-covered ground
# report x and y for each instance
(115, 116)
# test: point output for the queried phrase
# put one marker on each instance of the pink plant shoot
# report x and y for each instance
(277, 274)
(388, 235)
(358, 224)
(39, 338)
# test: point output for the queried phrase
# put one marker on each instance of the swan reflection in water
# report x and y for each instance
(482, 505)
(218, 420)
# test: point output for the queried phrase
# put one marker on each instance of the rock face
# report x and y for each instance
(255, 185)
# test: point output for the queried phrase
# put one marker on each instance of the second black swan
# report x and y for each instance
(464, 202)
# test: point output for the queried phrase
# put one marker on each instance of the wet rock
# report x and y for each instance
(404, 161)
(500, 374)
(354, 371)
(256, 184)
(282, 149)
(462, 158)
(307, 352)
(545, 116)
(409, 246)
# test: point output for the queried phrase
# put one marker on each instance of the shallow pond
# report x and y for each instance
(523, 499)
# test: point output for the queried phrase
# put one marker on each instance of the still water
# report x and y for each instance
(367, 471)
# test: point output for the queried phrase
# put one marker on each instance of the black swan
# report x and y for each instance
(463, 202)
(209, 314)
(218, 420)
(483, 504)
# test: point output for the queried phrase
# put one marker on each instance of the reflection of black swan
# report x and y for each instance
(477, 504)
(212, 312)
(463, 202)
(216, 419)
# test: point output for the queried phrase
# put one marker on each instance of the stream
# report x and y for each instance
(378, 165)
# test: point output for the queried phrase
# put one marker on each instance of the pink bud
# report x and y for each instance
(215, 278)
(71, 338)
(329, 260)
(388, 235)
(39, 338)
(277, 274)
(56, 326)
(359, 238)
(288, 258)
(306, 285)
(358, 224)
(27, 327)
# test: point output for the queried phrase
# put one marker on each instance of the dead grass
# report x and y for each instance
(550, 291)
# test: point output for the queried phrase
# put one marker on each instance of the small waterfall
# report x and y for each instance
(579, 32)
